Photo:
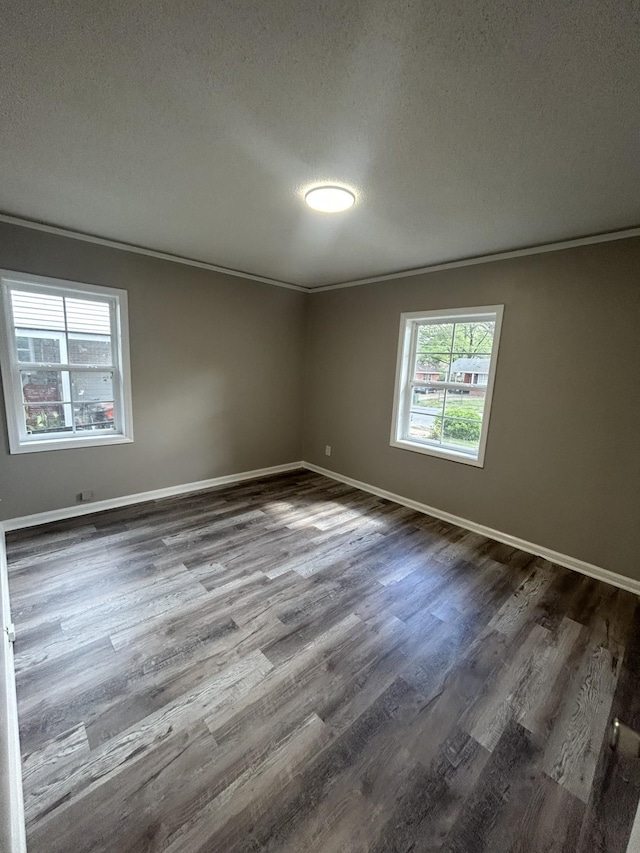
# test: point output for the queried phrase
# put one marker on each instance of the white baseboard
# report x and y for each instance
(155, 494)
(565, 560)
(568, 562)
(12, 832)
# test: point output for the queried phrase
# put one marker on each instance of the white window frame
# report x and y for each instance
(404, 383)
(19, 440)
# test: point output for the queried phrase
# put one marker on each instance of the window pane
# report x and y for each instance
(435, 337)
(474, 338)
(46, 418)
(92, 400)
(426, 414)
(23, 348)
(465, 404)
(93, 416)
(90, 387)
(427, 400)
(423, 426)
(84, 315)
(472, 370)
(432, 367)
(37, 348)
(89, 349)
(42, 386)
(37, 310)
(447, 418)
(462, 434)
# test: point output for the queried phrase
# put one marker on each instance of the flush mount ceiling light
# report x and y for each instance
(330, 199)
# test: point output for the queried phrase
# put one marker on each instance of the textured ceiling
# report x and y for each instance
(466, 127)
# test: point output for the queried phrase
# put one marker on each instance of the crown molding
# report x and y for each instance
(140, 250)
(540, 249)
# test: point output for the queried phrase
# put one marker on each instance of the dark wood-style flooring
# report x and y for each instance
(290, 664)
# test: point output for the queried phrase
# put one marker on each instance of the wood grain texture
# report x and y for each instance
(291, 665)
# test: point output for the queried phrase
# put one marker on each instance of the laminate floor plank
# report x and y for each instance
(513, 806)
(116, 755)
(616, 787)
(574, 744)
(420, 812)
(291, 664)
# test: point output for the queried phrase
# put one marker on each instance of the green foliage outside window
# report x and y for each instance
(463, 430)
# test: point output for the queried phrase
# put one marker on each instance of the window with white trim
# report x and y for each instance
(444, 382)
(65, 363)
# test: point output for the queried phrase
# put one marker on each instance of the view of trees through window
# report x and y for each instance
(448, 383)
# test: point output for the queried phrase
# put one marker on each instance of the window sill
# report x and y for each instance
(440, 453)
(69, 443)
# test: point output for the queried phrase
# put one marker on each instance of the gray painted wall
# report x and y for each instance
(562, 466)
(216, 369)
(219, 388)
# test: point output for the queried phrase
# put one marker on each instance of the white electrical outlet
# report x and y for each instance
(86, 496)
(327, 450)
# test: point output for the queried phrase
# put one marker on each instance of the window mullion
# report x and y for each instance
(447, 386)
(80, 368)
(66, 375)
(408, 401)
(65, 356)
(118, 391)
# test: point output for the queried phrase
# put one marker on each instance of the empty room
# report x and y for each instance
(319, 427)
